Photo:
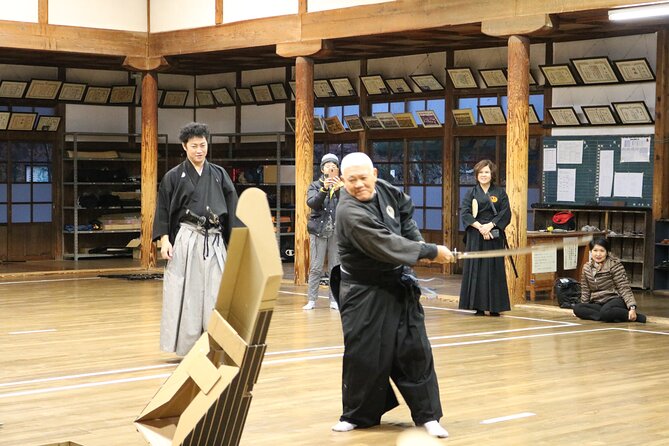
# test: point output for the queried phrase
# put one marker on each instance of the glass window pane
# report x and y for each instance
(397, 107)
(38, 174)
(20, 213)
(3, 213)
(21, 151)
(505, 105)
(414, 106)
(22, 109)
(433, 219)
(19, 174)
(473, 150)
(533, 196)
(42, 193)
(396, 151)
(433, 150)
(349, 147)
(433, 196)
(3, 151)
(488, 100)
(351, 110)
(319, 111)
(538, 101)
(433, 173)
(41, 213)
(3, 172)
(45, 111)
(418, 218)
(382, 107)
(439, 107)
(334, 111)
(416, 193)
(380, 151)
(21, 193)
(3, 193)
(42, 152)
(416, 173)
(391, 173)
(471, 103)
(416, 150)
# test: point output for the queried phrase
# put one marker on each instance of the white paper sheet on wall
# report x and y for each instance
(570, 152)
(566, 185)
(635, 150)
(628, 184)
(544, 261)
(570, 253)
(605, 173)
(550, 160)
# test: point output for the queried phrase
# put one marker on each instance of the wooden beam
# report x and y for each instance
(37, 36)
(149, 180)
(528, 25)
(43, 12)
(219, 12)
(517, 141)
(137, 63)
(304, 161)
(661, 158)
(295, 49)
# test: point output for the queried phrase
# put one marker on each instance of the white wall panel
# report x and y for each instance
(322, 5)
(97, 77)
(214, 81)
(263, 118)
(350, 69)
(126, 15)
(219, 120)
(236, 11)
(25, 72)
(170, 15)
(266, 76)
(498, 58)
(96, 118)
(178, 82)
(405, 66)
(170, 120)
(19, 11)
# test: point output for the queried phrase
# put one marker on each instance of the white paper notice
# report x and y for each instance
(544, 260)
(605, 173)
(635, 150)
(570, 152)
(566, 185)
(550, 160)
(570, 253)
(628, 184)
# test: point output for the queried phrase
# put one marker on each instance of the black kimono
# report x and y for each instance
(382, 319)
(193, 276)
(484, 280)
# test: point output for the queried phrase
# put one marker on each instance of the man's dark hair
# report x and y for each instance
(193, 130)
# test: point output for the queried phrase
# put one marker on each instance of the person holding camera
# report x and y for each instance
(322, 198)
(485, 214)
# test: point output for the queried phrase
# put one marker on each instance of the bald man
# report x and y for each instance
(382, 318)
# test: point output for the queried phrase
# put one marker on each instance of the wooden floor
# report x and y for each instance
(79, 360)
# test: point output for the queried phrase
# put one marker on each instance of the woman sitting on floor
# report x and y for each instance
(605, 290)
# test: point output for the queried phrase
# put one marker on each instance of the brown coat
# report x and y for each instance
(600, 286)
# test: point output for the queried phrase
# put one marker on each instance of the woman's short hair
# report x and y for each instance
(486, 163)
(604, 243)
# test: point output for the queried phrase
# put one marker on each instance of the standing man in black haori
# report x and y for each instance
(485, 214)
(194, 217)
(382, 318)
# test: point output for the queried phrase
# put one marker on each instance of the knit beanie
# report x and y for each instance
(329, 158)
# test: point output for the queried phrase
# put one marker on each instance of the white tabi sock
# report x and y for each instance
(435, 429)
(344, 426)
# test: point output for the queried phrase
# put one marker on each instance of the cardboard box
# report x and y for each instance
(67, 443)
(135, 245)
(287, 174)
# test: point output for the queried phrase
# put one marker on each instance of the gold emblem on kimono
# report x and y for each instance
(493, 198)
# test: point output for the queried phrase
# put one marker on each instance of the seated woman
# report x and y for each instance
(605, 290)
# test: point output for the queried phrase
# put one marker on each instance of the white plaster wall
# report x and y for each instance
(96, 118)
(170, 120)
(214, 81)
(322, 5)
(235, 10)
(263, 118)
(265, 76)
(390, 67)
(170, 15)
(126, 15)
(615, 48)
(178, 82)
(25, 72)
(100, 78)
(484, 58)
(19, 11)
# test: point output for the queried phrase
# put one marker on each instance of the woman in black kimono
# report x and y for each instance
(485, 213)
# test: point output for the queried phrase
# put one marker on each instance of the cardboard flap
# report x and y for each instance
(226, 337)
(203, 373)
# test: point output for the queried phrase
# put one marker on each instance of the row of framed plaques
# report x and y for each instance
(597, 71)
(490, 115)
(26, 122)
(67, 91)
(622, 113)
(377, 121)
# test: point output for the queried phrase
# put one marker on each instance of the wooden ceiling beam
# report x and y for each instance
(71, 39)
(524, 26)
(144, 64)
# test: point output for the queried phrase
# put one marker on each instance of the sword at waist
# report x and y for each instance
(523, 250)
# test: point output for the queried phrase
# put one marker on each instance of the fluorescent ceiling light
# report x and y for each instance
(640, 12)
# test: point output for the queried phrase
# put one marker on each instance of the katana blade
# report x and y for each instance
(523, 250)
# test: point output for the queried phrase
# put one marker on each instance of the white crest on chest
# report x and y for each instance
(183, 174)
(390, 211)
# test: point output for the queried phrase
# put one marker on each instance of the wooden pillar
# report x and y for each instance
(304, 161)
(661, 166)
(517, 141)
(363, 109)
(449, 190)
(149, 181)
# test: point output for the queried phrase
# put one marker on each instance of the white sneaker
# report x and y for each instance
(344, 426)
(435, 429)
(334, 305)
(310, 305)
